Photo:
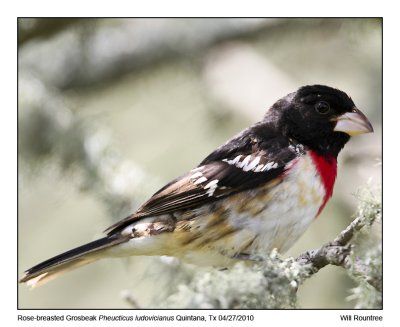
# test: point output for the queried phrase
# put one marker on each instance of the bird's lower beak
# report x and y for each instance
(353, 123)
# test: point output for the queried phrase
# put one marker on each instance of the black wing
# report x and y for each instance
(240, 164)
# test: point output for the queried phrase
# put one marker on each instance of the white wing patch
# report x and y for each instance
(199, 178)
(269, 165)
(196, 175)
(244, 163)
(233, 162)
(212, 186)
(249, 164)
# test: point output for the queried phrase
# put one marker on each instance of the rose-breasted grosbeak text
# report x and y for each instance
(258, 191)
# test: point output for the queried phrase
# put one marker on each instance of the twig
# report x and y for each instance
(338, 253)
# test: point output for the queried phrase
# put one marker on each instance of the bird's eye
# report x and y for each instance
(322, 107)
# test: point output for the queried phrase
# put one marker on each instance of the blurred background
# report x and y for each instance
(112, 109)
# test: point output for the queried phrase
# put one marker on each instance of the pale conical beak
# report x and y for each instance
(353, 123)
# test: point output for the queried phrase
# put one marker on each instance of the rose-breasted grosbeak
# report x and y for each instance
(258, 191)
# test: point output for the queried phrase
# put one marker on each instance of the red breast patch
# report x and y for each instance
(327, 169)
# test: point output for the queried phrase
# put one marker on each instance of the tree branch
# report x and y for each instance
(339, 252)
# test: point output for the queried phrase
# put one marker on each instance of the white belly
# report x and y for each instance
(293, 205)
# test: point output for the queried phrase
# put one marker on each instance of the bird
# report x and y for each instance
(257, 192)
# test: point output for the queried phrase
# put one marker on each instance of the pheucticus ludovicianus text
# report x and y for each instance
(258, 191)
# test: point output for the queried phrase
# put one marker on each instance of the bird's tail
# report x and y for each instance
(77, 257)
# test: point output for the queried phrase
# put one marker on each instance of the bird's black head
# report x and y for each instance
(320, 117)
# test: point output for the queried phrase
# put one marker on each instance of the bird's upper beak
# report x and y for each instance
(353, 123)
